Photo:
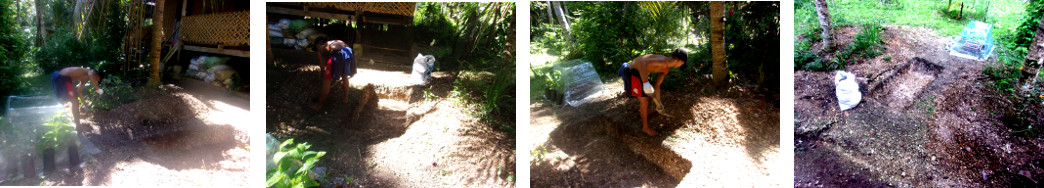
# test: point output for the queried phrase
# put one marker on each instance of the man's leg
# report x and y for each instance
(324, 92)
(644, 111)
(346, 88)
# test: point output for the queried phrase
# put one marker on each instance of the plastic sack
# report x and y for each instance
(975, 41)
(284, 23)
(848, 95)
(272, 33)
(579, 80)
(274, 27)
(422, 67)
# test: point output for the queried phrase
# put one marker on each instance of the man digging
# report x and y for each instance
(636, 80)
(337, 61)
(62, 80)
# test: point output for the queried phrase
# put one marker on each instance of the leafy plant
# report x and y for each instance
(58, 132)
(293, 165)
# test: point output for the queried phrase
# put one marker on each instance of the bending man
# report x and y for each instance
(636, 79)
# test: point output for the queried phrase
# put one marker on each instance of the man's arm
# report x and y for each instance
(659, 79)
(79, 89)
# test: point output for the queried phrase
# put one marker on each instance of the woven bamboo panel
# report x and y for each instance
(226, 28)
(395, 8)
(348, 6)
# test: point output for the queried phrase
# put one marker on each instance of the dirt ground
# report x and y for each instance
(715, 138)
(401, 139)
(926, 120)
(185, 135)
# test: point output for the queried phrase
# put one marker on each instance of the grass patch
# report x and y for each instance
(1005, 15)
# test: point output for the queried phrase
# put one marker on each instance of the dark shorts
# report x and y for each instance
(632, 82)
(63, 87)
(340, 64)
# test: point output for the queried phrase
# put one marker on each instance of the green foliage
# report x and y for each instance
(293, 165)
(611, 33)
(62, 48)
(1004, 75)
(12, 51)
(117, 92)
(1027, 28)
(59, 131)
(499, 102)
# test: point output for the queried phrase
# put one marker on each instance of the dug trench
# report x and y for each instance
(926, 119)
(402, 135)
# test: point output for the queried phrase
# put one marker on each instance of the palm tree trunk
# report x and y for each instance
(824, 22)
(157, 41)
(717, 13)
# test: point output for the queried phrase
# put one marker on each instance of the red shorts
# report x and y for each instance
(327, 70)
(633, 84)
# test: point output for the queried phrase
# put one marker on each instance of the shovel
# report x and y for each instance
(659, 108)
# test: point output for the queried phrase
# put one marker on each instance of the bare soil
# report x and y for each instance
(185, 134)
(927, 119)
(400, 139)
(728, 137)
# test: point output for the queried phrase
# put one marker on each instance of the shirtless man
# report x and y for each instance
(337, 61)
(636, 79)
(62, 80)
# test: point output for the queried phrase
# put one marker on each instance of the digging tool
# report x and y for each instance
(659, 108)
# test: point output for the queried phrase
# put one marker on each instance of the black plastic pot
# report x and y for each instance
(48, 160)
(74, 157)
(28, 166)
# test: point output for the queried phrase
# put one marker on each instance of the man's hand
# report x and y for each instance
(648, 88)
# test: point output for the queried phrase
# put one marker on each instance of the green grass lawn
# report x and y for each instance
(1004, 14)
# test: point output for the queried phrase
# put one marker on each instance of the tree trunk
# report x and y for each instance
(41, 32)
(717, 13)
(550, 14)
(824, 22)
(157, 41)
(562, 17)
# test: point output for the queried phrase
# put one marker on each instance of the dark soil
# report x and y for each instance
(401, 138)
(927, 119)
(714, 138)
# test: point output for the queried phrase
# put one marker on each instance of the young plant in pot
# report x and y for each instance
(553, 92)
(59, 134)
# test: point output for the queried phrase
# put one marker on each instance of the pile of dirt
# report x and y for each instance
(167, 136)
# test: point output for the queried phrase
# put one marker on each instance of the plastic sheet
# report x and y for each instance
(975, 41)
(271, 147)
(579, 80)
(25, 118)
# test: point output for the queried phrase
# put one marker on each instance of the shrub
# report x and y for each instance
(293, 165)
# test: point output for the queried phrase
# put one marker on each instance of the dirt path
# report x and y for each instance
(926, 120)
(402, 138)
(713, 140)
